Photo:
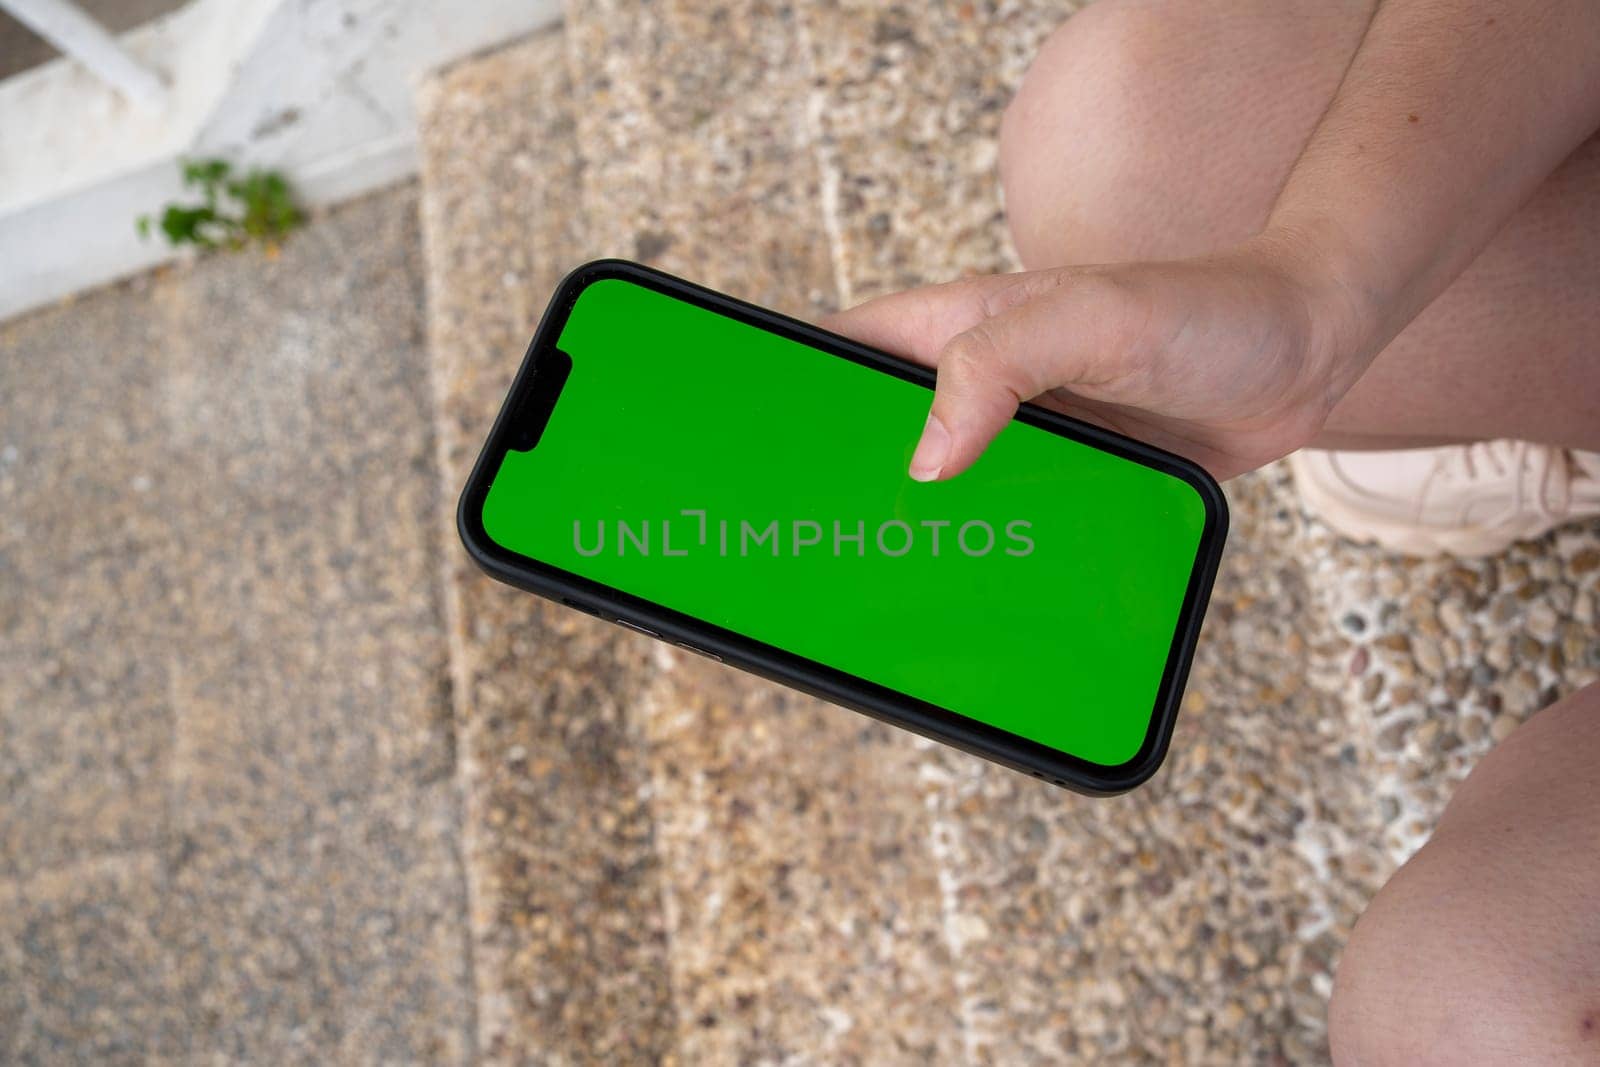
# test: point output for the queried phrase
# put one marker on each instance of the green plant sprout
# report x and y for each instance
(258, 207)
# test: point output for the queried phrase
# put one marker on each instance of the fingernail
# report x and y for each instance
(928, 460)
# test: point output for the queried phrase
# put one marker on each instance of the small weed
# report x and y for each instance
(235, 211)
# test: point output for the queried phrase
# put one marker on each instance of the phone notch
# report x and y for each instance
(533, 411)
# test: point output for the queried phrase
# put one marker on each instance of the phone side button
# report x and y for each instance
(586, 609)
(635, 626)
(699, 651)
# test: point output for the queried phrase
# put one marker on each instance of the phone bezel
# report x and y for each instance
(839, 687)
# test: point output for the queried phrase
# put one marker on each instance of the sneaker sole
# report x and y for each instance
(1356, 524)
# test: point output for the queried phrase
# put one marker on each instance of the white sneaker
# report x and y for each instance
(1466, 500)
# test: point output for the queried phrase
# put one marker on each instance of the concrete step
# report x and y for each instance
(228, 825)
(563, 874)
(672, 861)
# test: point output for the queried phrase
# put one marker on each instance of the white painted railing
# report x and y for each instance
(321, 90)
(66, 25)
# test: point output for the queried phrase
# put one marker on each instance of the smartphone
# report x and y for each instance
(734, 481)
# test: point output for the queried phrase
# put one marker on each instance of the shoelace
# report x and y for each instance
(1521, 461)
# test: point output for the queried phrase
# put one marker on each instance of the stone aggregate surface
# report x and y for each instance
(835, 892)
(566, 923)
(283, 777)
(228, 822)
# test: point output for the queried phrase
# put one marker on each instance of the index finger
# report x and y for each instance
(918, 323)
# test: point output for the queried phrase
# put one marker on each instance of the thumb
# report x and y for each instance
(982, 378)
(1057, 339)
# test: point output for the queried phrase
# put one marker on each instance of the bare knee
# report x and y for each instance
(1081, 141)
(1158, 129)
(1459, 961)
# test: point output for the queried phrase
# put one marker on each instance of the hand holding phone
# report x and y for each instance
(736, 481)
(1226, 360)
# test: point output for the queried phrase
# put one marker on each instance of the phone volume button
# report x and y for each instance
(641, 629)
(698, 651)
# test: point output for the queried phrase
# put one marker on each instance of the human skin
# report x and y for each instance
(1248, 346)
(1158, 136)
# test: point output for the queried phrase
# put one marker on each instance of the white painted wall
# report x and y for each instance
(321, 89)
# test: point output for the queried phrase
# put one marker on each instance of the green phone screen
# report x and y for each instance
(759, 484)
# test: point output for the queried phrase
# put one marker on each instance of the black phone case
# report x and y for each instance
(891, 706)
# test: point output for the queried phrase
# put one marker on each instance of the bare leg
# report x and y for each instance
(1152, 128)
(1156, 128)
(1485, 947)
